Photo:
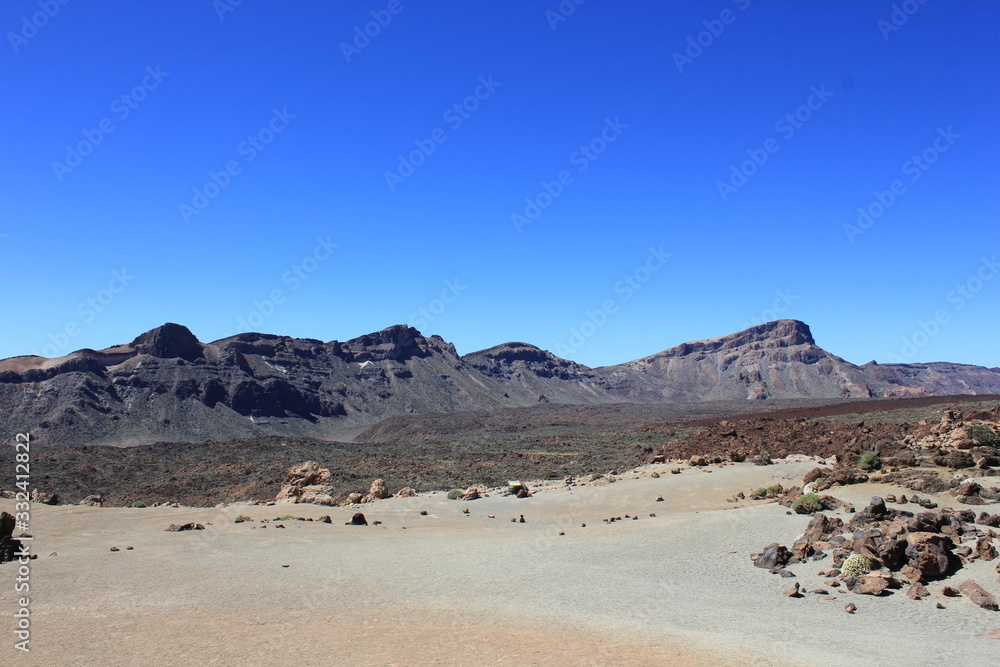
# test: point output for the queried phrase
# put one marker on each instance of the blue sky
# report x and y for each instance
(604, 183)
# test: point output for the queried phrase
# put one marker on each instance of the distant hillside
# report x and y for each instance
(166, 385)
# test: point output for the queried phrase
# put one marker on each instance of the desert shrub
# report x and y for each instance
(287, 517)
(768, 491)
(596, 476)
(806, 504)
(983, 434)
(869, 461)
(138, 503)
(856, 565)
(454, 494)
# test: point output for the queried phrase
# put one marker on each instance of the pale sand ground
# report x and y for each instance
(452, 589)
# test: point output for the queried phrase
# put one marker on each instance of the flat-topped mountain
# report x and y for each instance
(166, 385)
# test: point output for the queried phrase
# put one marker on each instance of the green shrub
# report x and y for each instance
(287, 517)
(454, 494)
(596, 476)
(768, 491)
(138, 503)
(856, 565)
(983, 434)
(806, 504)
(869, 461)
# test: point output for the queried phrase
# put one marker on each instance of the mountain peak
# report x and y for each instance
(169, 341)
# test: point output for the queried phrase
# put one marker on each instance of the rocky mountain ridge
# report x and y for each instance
(166, 385)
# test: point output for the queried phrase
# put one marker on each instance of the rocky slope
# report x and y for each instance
(166, 385)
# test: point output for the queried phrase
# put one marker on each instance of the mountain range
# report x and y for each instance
(166, 385)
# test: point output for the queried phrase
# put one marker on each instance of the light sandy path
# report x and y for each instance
(677, 589)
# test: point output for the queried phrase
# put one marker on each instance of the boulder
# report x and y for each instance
(985, 549)
(472, 493)
(977, 594)
(406, 492)
(307, 483)
(866, 585)
(378, 490)
(176, 528)
(928, 554)
(774, 556)
(9, 546)
(358, 520)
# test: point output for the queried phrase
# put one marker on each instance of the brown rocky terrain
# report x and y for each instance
(167, 386)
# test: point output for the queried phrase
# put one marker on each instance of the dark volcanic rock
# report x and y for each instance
(978, 595)
(169, 341)
(774, 556)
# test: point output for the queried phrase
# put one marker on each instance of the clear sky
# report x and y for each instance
(604, 180)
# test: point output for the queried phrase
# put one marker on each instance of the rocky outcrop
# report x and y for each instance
(892, 546)
(307, 483)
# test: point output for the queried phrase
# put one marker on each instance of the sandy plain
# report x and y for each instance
(465, 589)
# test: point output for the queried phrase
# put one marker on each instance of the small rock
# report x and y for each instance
(115, 549)
(358, 520)
(659, 499)
(850, 607)
(917, 591)
(950, 592)
(792, 592)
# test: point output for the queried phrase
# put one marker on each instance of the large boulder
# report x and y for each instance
(307, 483)
(378, 490)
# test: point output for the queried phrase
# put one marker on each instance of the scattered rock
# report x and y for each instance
(174, 528)
(850, 607)
(357, 520)
(792, 592)
(977, 594)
